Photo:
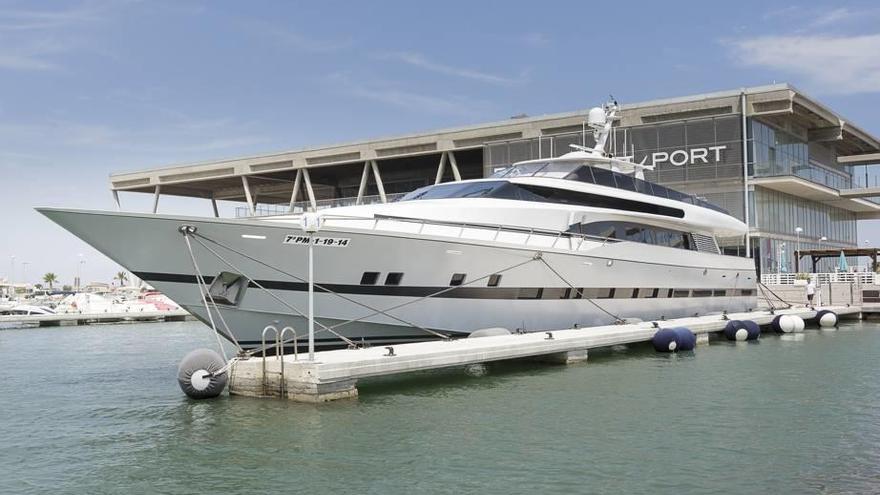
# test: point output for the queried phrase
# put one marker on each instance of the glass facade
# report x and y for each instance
(777, 153)
(703, 156)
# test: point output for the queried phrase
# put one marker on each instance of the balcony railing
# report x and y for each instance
(268, 210)
(863, 277)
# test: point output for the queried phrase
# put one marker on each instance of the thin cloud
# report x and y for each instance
(830, 64)
(32, 20)
(23, 62)
(420, 61)
(29, 39)
(294, 39)
(412, 101)
(834, 17)
(174, 138)
(391, 94)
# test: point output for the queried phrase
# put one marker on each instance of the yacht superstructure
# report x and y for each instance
(578, 240)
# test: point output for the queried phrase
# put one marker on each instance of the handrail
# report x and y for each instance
(865, 277)
(263, 347)
(497, 227)
(279, 353)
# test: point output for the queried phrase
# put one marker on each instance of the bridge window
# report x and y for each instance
(634, 232)
(393, 278)
(457, 279)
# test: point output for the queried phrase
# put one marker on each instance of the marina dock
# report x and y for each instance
(58, 319)
(334, 374)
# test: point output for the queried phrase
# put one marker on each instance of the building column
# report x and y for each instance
(378, 178)
(454, 164)
(214, 206)
(441, 168)
(362, 188)
(116, 199)
(745, 163)
(247, 195)
(156, 198)
(297, 183)
(309, 189)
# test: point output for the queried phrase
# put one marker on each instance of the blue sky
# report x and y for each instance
(94, 87)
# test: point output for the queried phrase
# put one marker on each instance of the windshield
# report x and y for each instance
(579, 171)
(455, 190)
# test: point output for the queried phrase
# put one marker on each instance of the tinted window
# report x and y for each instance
(369, 278)
(660, 191)
(604, 177)
(457, 279)
(526, 169)
(582, 174)
(606, 230)
(393, 278)
(599, 201)
(557, 170)
(644, 187)
(633, 232)
(625, 182)
(494, 280)
(455, 190)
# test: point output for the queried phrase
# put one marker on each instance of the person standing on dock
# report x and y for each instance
(811, 291)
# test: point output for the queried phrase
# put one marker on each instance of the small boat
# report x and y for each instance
(26, 310)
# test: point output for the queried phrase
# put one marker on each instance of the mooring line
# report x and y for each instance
(283, 302)
(617, 318)
(443, 291)
(302, 280)
(202, 292)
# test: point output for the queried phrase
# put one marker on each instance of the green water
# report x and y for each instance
(97, 410)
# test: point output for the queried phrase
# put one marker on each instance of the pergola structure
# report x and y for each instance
(380, 168)
(817, 254)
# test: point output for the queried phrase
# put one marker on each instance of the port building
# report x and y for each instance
(794, 167)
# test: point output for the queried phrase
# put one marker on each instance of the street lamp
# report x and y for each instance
(24, 265)
(12, 276)
(79, 272)
(797, 252)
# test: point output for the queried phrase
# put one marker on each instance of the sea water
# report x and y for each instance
(97, 409)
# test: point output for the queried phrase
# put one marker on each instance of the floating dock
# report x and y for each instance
(334, 374)
(58, 319)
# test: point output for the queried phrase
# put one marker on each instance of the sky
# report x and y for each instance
(88, 88)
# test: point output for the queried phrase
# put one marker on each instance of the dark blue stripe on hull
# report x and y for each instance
(466, 292)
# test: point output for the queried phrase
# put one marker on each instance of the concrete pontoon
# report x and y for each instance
(334, 374)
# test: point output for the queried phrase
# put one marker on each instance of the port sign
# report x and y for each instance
(690, 157)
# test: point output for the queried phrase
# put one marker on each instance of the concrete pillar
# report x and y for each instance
(454, 166)
(156, 198)
(297, 183)
(309, 190)
(362, 188)
(441, 168)
(116, 200)
(378, 178)
(247, 195)
(214, 207)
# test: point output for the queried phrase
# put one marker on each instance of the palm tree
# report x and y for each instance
(50, 278)
(122, 277)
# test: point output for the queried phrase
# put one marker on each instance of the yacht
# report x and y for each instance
(26, 310)
(579, 240)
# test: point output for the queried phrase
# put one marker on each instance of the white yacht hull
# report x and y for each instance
(535, 291)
